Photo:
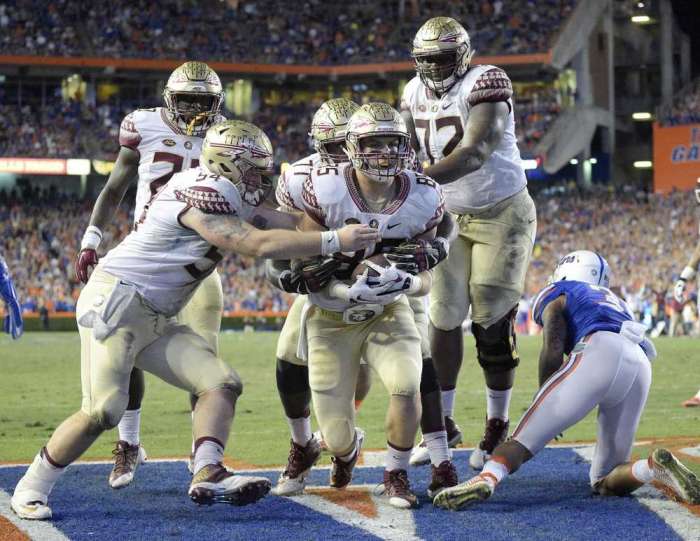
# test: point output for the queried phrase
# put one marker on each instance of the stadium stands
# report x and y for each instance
(685, 108)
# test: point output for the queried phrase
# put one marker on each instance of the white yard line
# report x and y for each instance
(35, 529)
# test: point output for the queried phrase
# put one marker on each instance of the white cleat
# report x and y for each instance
(30, 505)
(299, 464)
(126, 459)
(215, 484)
(420, 456)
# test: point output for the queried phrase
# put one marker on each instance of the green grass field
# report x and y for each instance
(40, 386)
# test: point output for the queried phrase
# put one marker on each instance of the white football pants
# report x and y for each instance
(606, 370)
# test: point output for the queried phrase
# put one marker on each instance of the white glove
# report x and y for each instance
(688, 273)
(361, 292)
(398, 280)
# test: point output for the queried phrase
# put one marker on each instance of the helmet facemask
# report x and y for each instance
(380, 156)
(440, 70)
(328, 129)
(193, 97)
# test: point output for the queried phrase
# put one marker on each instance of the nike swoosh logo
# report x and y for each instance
(446, 105)
(393, 226)
(530, 221)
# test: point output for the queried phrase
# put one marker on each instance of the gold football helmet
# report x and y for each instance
(328, 129)
(193, 96)
(372, 123)
(442, 52)
(242, 153)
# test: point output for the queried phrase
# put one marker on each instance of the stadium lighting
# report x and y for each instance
(78, 167)
(642, 115)
(529, 164)
(642, 164)
(641, 19)
(573, 161)
(593, 161)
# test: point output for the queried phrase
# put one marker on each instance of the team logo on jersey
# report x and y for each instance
(169, 142)
(374, 223)
(421, 108)
(188, 145)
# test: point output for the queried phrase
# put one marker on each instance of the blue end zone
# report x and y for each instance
(549, 498)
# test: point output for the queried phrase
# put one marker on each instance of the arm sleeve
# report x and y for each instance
(492, 86)
(129, 135)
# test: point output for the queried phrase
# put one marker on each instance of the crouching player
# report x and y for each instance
(125, 312)
(608, 366)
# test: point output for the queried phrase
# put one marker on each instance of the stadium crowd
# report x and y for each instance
(309, 32)
(685, 108)
(645, 237)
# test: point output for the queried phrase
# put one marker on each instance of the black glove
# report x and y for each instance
(418, 255)
(306, 277)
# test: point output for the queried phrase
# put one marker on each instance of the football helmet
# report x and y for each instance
(242, 153)
(582, 266)
(193, 96)
(442, 53)
(372, 121)
(328, 128)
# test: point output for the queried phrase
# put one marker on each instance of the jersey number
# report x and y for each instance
(611, 300)
(454, 121)
(168, 157)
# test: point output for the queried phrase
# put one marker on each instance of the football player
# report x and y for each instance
(328, 135)
(156, 144)
(347, 321)
(593, 355)
(462, 123)
(13, 323)
(125, 312)
(689, 273)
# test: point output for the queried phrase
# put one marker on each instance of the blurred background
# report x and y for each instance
(606, 94)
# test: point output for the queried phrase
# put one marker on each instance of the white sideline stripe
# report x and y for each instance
(35, 529)
(682, 521)
(691, 451)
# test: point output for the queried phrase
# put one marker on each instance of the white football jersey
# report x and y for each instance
(440, 124)
(163, 258)
(163, 148)
(332, 199)
(291, 183)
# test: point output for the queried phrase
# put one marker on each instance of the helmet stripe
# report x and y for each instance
(602, 265)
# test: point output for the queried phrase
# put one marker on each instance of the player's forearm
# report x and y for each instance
(283, 244)
(107, 202)
(694, 258)
(446, 229)
(425, 283)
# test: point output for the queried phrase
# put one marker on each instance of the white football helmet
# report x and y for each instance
(193, 97)
(241, 152)
(374, 120)
(582, 266)
(328, 129)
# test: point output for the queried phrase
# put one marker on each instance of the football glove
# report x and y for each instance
(87, 258)
(368, 290)
(415, 256)
(13, 324)
(393, 280)
(306, 277)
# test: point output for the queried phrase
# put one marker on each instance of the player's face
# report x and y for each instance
(383, 151)
(191, 105)
(336, 151)
(438, 66)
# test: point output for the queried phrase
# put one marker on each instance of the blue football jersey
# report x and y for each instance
(589, 308)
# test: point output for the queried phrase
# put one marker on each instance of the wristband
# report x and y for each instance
(330, 242)
(688, 273)
(91, 238)
(339, 290)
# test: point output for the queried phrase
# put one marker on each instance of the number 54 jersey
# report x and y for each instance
(163, 147)
(441, 122)
(165, 259)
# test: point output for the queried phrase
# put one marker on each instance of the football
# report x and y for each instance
(377, 259)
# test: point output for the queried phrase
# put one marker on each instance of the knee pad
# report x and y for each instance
(292, 378)
(107, 414)
(496, 346)
(428, 378)
(338, 434)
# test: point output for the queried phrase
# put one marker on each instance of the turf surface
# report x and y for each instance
(40, 386)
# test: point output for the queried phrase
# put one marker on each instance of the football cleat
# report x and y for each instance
(341, 472)
(126, 459)
(443, 476)
(30, 504)
(669, 472)
(495, 433)
(458, 497)
(299, 464)
(215, 484)
(397, 489)
(454, 434)
(321, 442)
(692, 402)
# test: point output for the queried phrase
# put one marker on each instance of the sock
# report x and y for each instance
(448, 402)
(207, 451)
(300, 429)
(41, 475)
(642, 472)
(497, 403)
(396, 459)
(497, 470)
(351, 454)
(130, 426)
(436, 442)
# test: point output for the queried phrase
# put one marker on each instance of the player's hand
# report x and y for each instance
(306, 277)
(393, 280)
(355, 237)
(13, 323)
(362, 292)
(679, 290)
(87, 258)
(415, 256)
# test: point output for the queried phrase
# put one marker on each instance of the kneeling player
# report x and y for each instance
(608, 366)
(349, 321)
(125, 312)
